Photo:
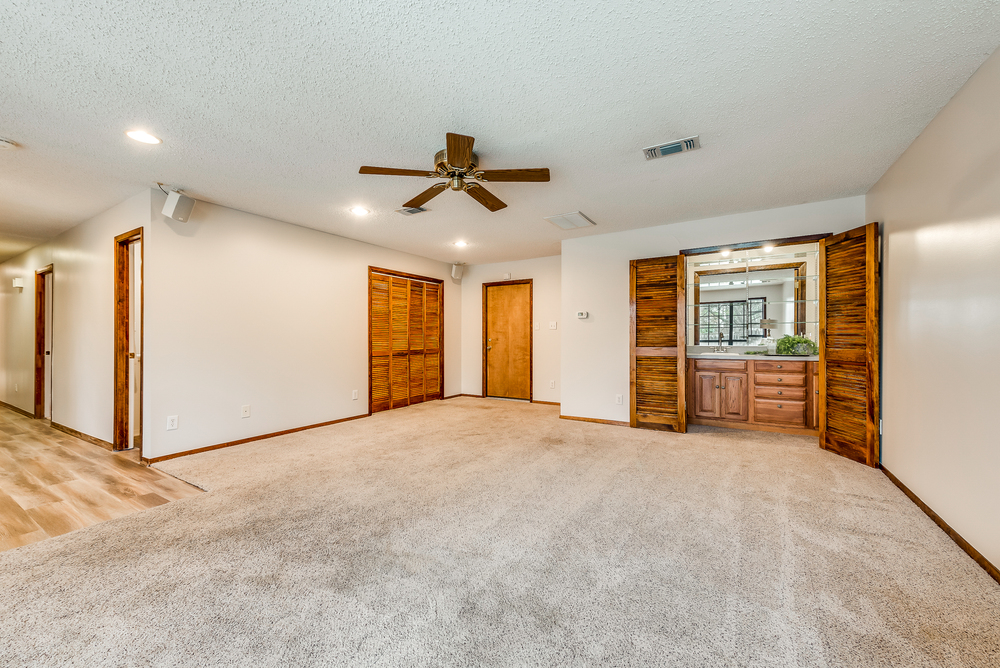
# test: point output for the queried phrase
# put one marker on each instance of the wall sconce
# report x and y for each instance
(19, 284)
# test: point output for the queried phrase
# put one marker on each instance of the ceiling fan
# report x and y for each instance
(457, 163)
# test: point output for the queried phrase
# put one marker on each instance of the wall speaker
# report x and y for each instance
(178, 206)
(456, 271)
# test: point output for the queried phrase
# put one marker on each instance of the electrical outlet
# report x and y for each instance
(552, 384)
(245, 411)
(354, 395)
(552, 325)
(618, 399)
(171, 422)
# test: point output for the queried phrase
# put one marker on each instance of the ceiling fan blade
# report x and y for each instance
(484, 197)
(389, 171)
(537, 175)
(459, 149)
(426, 195)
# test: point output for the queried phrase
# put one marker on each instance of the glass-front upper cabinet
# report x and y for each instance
(753, 297)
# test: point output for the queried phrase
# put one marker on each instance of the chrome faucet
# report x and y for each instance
(720, 348)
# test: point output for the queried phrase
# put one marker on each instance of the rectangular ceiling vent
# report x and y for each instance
(678, 146)
(570, 221)
(410, 210)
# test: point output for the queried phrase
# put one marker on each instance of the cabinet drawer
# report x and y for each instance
(719, 365)
(780, 393)
(785, 413)
(784, 367)
(796, 379)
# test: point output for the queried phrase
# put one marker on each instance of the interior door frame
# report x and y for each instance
(120, 425)
(412, 277)
(40, 327)
(531, 332)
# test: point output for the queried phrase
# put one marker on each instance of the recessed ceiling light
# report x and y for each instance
(360, 211)
(725, 253)
(768, 248)
(461, 244)
(144, 137)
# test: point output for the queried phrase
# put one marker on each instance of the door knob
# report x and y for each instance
(489, 347)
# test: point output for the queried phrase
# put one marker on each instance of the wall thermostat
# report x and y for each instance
(581, 314)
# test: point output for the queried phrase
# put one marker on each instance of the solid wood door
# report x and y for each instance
(405, 338)
(734, 400)
(848, 344)
(507, 339)
(658, 357)
(706, 394)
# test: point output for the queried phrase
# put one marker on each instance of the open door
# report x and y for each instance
(43, 343)
(658, 323)
(127, 422)
(848, 344)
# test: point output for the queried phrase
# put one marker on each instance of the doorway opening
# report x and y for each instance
(43, 343)
(127, 428)
(507, 339)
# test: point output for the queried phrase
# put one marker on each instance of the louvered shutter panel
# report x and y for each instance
(432, 342)
(658, 343)
(416, 342)
(381, 342)
(400, 368)
(848, 345)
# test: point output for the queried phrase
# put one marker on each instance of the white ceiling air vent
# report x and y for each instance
(676, 146)
(570, 221)
(410, 210)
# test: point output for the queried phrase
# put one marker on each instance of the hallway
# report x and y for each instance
(52, 483)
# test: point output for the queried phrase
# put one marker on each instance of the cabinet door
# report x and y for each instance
(706, 394)
(734, 396)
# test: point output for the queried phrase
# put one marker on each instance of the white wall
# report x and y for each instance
(595, 275)
(239, 310)
(83, 320)
(546, 292)
(940, 209)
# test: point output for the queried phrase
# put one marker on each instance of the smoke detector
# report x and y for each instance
(410, 210)
(676, 146)
(7, 144)
(570, 221)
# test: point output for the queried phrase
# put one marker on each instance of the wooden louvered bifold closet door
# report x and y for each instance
(658, 343)
(848, 345)
(405, 341)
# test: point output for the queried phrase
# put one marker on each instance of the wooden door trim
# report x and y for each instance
(747, 245)
(403, 274)
(390, 273)
(531, 331)
(40, 327)
(120, 418)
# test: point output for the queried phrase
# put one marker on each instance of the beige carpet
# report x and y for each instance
(486, 533)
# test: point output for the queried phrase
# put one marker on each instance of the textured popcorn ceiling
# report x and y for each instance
(271, 107)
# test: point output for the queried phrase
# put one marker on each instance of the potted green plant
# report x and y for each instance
(796, 345)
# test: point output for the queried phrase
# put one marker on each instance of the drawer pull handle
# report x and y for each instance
(779, 391)
(779, 380)
(716, 387)
(779, 366)
(779, 405)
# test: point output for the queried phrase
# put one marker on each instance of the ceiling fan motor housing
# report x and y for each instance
(441, 162)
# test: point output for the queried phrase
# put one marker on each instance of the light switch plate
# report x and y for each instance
(538, 326)
(552, 384)
(618, 399)
(354, 395)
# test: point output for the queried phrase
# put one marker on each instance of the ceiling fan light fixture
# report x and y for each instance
(143, 136)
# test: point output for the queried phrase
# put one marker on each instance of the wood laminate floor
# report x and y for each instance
(52, 483)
